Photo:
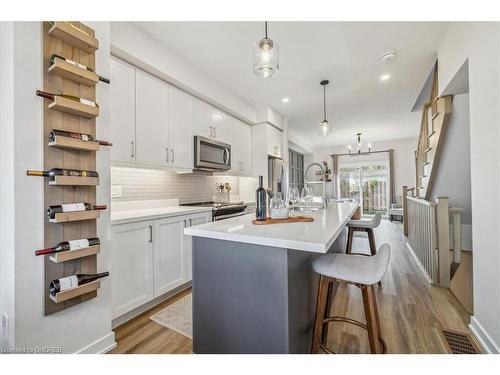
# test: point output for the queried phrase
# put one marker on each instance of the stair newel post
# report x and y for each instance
(404, 203)
(443, 243)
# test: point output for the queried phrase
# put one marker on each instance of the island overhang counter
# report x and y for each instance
(254, 290)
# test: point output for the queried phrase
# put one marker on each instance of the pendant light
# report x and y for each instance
(266, 57)
(324, 127)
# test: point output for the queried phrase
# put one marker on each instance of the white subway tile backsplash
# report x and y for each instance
(143, 184)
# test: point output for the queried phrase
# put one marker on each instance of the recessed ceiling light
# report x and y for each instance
(385, 77)
(285, 100)
(388, 57)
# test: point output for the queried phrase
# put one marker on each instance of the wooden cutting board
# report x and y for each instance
(294, 219)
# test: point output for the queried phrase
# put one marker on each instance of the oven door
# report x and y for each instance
(211, 155)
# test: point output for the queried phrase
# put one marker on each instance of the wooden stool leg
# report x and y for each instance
(320, 313)
(371, 239)
(332, 290)
(372, 321)
(349, 241)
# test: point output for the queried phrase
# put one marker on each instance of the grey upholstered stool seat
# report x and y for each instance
(354, 268)
(360, 271)
(372, 223)
(363, 226)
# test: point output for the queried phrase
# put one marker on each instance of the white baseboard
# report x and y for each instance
(420, 267)
(100, 346)
(484, 339)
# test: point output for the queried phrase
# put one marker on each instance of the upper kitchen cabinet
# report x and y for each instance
(152, 143)
(274, 141)
(123, 111)
(239, 136)
(209, 122)
(180, 128)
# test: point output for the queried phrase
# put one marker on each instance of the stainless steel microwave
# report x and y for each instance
(211, 155)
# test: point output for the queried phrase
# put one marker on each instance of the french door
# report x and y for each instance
(366, 183)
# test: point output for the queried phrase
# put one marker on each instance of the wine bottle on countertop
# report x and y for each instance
(62, 172)
(261, 200)
(65, 283)
(69, 246)
(48, 95)
(54, 133)
(72, 207)
(78, 65)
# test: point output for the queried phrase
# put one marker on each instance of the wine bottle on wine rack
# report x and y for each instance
(54, 133)
(78, 65)
(65, 283)
(69, 246)
(48, 95)
(62, 172)
(72, 207)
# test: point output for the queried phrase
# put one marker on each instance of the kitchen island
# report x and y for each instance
(254, 290)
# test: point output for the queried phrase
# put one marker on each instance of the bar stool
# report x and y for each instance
(363, 226)
(360, 271)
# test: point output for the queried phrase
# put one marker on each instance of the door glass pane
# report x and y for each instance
(349, 183)
(375, 189)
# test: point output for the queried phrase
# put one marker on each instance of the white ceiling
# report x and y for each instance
(346, 53)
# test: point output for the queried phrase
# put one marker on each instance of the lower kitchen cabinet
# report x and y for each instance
(169, 257)
(149, 259)
(131, 270)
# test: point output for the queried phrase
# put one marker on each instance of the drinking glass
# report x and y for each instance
(307, 195)
(293, 196)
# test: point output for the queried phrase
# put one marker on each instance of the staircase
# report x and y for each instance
(435, 116)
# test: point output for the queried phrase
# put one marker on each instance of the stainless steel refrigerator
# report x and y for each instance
(277, 176)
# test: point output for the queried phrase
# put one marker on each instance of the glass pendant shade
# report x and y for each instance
(324, 128)
(266, 58)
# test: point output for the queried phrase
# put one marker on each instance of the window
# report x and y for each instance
(296, 169)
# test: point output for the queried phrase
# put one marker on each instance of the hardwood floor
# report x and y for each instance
(412, 313)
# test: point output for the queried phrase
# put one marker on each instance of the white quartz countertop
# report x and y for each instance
(141, 211)
(316, 236)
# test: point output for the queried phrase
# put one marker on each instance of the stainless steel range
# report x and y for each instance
(221, 211)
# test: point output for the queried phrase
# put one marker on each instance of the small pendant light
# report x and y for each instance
(324, 127)
(266, 57)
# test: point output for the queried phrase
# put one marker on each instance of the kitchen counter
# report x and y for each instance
(255, 285)
(316, 236)
(127, 212)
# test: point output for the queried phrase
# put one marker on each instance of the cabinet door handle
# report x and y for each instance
(190, 222)
(215, 132)
(185, 223)
(173, 156)
(132, 149)
(211, 132)
(166, 151)
(150, 233)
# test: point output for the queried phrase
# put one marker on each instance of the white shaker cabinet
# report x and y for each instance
(209, 122)
(274, 141)
(180, 128)
(169, 258)
(188, 241)
(152, 144)
(239, 136)
(131, 270)
(123, 111)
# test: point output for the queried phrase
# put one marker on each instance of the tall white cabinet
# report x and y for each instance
(152, 110)
(123, 111)
(180, 128)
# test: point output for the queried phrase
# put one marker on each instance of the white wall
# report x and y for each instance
(478, 42)
(85, 324)
(139, 48)
(404, 160)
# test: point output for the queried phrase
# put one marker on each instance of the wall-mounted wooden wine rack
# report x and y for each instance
(77, 42)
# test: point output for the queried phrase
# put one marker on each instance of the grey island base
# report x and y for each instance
(249, 297)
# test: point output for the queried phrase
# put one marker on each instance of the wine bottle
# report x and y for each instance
(69, 246)
(62, 172)
(78, 65)
(83, 137)
(65, 283)
(261, 200)
(71, 207)
(48, 95)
